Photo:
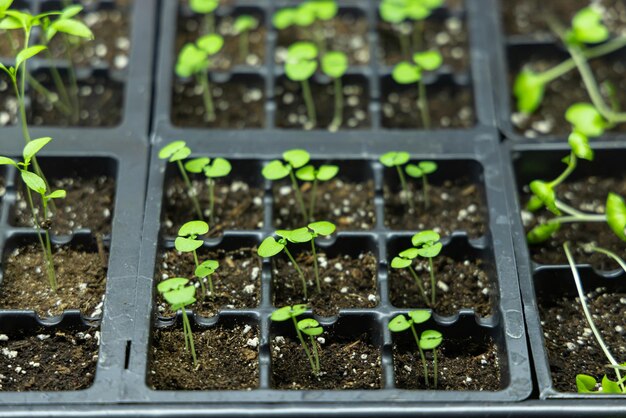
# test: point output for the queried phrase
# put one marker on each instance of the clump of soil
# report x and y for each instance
(588, 195)
(49, 361)
(572, 348)
(292, 112)
(468, 363)
(346, 282)
(460, 284)
(238, 104)
(81, 277)
(238, 205)
(449, 36)
(100, 100)
(227, 359)
(347, 204)
(237, 281)
(450, 106)
(455, 205)
(344, 364)
(89, 204)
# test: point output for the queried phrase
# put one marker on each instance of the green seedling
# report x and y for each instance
(34, 183)
(310, 327)
(179, 295)
(586, 383)
(207, 9)
(398, 159)
(218, 167)
(195, 59)
(429, 340)
(411, 73)
(586, 119)
(311, 13)
(334, 65)
(176, 152)
(242, 27)
(277, 169)
(426, 244)
(300, 65)
(188, 242)
(422, 170)
(310, 173)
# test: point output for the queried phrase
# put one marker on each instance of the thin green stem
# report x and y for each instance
(310, 104)
(203, 79)
(405, 188)
(315, 267)
(418, 34)
(312, 200)
(201, 280)
(191, 190)
(74, 92)
(244, 46)
(298, 193)
(306, 349)
(49, 272)
(425, 191)
(422, 356)
(211, 202)
(610, 254)
(300, 273)
(573, 162)
(418, 282)
(49, 260)
(41, 89)
(338, 118)
(405, 45)
(422, 104)
(56, 78)
(316, 356)
(433, 288)
(567, 208)
(578, 218)
(208, 23)
(320, 37)
(189, 334)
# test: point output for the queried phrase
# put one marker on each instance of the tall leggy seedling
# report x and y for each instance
(176, 152)
(187, 241)
(218, 167)
(312, 14)
(334, 65)
(422, 170)
(277, 169)
(300, 66)
(242, 27)
(398, 159)
(324, 172)
(207, 9)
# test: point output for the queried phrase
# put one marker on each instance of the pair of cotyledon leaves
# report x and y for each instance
(425, 244)
(297, 159)
(429, 339)
(194, 57)
(305, 14)
(409, 73)
(270, 246)
(187, 241)
(400, 158)
(397, 11)
(178, 150)
(308, 326)
(301, 62)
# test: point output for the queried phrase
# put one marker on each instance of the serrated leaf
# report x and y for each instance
(269, 247)
(420, 316)
(323, 228)
(187, 245)
(406, 73)
(33, 147)
(193, 228)
(197, 164)
(296, 157)
(395, 158)
(275, 170)
(399, 324)
(34, 182)
(616, 215)
(430, 339)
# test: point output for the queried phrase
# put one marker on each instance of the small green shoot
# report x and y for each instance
(242, 27)
(308, 326)
(300, 65)
(398, 159)
(176, 152)
(212, 169)
(422, 170)
(310, 173)
(206, 8)
(179, 295)
(188, 242)
(307, 14)
(586, 119)
(429, 340)
(277, 169)
(335, 65)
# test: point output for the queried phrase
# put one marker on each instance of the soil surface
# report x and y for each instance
(460, 284)
(49, 361)
(349, 205)
(238, 206)
(455, 205)
(12, 41)
(238, 103)
(469, 363)
(237, 281)
(227, 359)
(447, 35)
(344, 364)
(572, 348)
(346, 282)
(563, 92)
(81, 278)
(450, 106)
(190, 29)
(588, 195)
(89, 204)
(292, 113)
(100, 100)
(347, 33)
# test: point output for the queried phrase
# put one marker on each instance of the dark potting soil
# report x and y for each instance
(572, 348)
(12, 41)
(89, 204)
(344, 364)
(80, 273)
(237, 281)
(51, 360)
(238, 104)
(527, 17)
(563, 92)
(237, 206)
(460, 284)
(100, 100)
(345, 281)
(350, 206)
(455, 205)
(292, 112)
(347, 33)
(468, 363)
(227, 359)
(190, 28)
(450, 106)
(447, 35)
(8, 104)
(588, 195)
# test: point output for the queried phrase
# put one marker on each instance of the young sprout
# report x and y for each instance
(219, 167)
(422, 169)
(242, 27)
(426, 244)
(310, 173)
(430, 339)
(300, 65)
(195, 60)
(397, 159)
(206, 8)
(188, 242)
(177, 151)
(334, 65)
(309, 13)
(411, 73)
(179, 295)
(34, 183)
(310, 327)
(277, 169)
(586, 119)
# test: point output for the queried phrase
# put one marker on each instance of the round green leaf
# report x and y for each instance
(323, 228)
(546, 194)
(191, 60)
(33, 147)
(395, 158)
(424, 237)
(171, 284)
(306, 173)
(206, 268)
(586, 119)
(416, 11)
(211, 44)
(182, 296)
(72, 27)
(616, 215)
(171, 149)
(428, 60)
(409, 253)
(400, 263)
(334, 64)
(203, 6)
(299, 235)
(220, 167)
(324, 9)
(245, 23)
(269, 247)
(428, 167)
(430, 339)
(587, 26)
(34, 182)
(580, 145)
(275, 170)
(284, 18)
(300, 70)
(327, 172)
(585, 383)
(392, 12)
(304, 16)
(542, 233)
(399, 324)
(187, 245)
(528, 90)
(194, 228)
(420, 316)
(414, 171)
(197, 164)
(310, 327)
(296, 157)
(405, 73)
(430, 251)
